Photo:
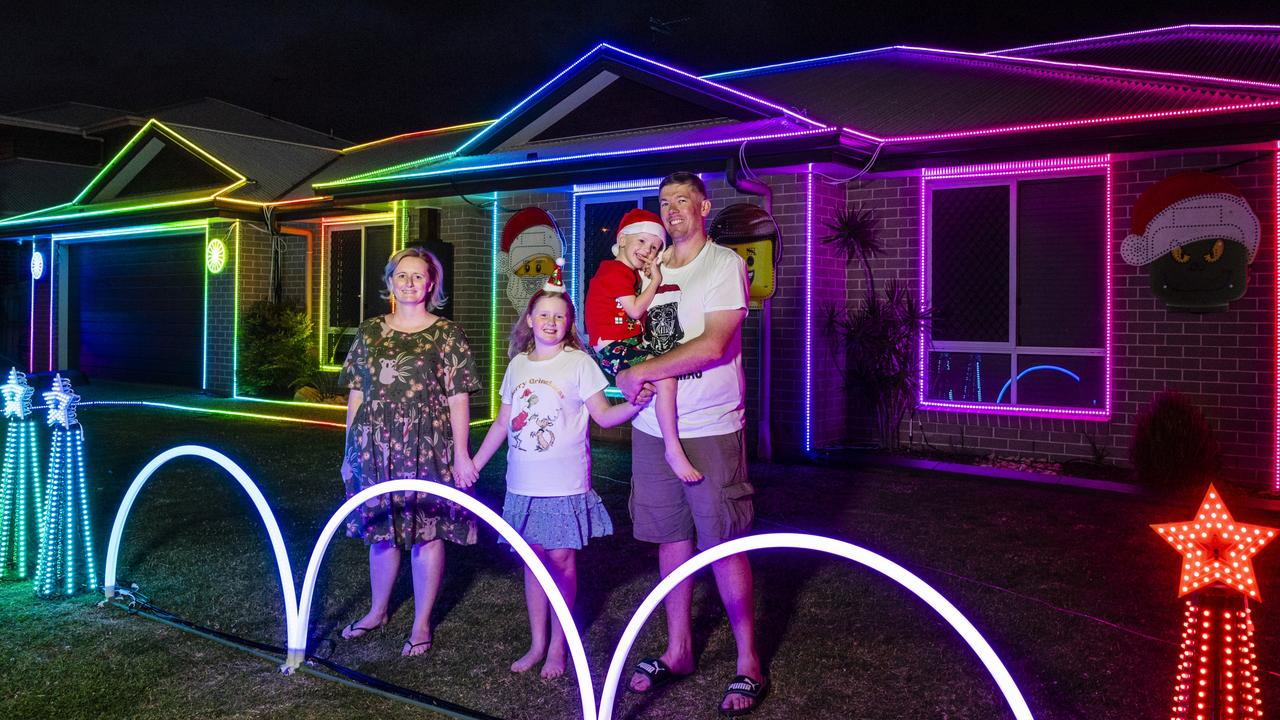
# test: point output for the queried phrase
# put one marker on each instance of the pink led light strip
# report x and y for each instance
(1275, 232)
(1134, 33)
(1028, 167)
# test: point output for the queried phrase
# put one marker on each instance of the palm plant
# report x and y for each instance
(877, 333)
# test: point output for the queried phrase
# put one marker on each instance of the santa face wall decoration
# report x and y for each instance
(531, 243)
(1197, 235)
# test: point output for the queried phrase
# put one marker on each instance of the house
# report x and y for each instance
(1011, 190)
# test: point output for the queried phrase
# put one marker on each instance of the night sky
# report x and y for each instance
(368, 70)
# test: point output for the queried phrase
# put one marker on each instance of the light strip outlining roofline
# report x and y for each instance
(586, 156)
(418, 133)
(1022, 168)
(592, 53)
(1275, 232)
(1133, 33)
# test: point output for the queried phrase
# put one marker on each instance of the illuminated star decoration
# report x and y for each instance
(62, 403)
(17, 396)
(1215, 548)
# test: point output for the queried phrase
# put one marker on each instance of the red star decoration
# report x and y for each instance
(1215, 548)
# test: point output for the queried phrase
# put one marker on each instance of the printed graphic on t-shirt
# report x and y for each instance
(662, 324)
(537, 418)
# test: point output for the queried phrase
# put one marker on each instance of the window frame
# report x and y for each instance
(1010, 175)
(327, 245)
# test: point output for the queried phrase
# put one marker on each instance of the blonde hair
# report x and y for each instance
(435, 274)
(522, 334)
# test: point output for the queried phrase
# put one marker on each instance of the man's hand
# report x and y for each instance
(630, 383)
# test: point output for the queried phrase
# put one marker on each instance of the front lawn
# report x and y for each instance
(1072, 589)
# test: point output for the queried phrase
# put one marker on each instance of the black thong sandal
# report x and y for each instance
(747, 688)
(657, 672)
(411, 648)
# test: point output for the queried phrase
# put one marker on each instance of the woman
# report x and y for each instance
(410, 373)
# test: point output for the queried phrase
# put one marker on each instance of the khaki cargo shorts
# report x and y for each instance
(664, 509)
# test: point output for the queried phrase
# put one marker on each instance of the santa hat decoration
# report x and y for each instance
(1185, 208)
(555, 282)
(525, 219)
(639, 220)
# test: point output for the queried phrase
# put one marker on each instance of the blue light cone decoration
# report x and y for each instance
(66, 565)
(21, 496)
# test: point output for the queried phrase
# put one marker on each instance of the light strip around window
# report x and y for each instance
(1032, 167)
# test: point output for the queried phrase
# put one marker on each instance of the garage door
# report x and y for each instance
(136, 309)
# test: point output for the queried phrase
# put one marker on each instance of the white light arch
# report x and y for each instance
(260, 503)
(886, 567)
(298, 631)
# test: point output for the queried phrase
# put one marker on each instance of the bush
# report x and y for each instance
(1173, 446)
(276, 351)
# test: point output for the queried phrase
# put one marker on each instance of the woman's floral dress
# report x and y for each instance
(402, 429)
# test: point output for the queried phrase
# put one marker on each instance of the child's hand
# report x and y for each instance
(644, 396)
(465, 473)
(654, 270)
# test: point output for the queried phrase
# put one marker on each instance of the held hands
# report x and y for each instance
(630, 384)
(645, 395)
(465, 472)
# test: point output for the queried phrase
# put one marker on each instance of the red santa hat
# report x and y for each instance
(555, 282)
(1185, 208)
(639, 220)
(523, 220)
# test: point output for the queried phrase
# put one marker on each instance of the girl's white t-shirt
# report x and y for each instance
(709, 402)
(548, 454)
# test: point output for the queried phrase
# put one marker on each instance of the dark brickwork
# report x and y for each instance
(1222, 361)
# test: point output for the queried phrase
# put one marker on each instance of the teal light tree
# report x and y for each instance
(21, 501)
(66, 564)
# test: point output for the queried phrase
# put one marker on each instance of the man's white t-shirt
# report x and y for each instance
(709, 402)
(547, 450)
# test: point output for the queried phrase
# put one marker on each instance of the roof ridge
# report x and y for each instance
(153, 111)
(186, 126)
(1119, 37)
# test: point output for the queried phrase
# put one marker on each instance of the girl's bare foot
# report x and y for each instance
(681, 466)
(555, 664)
(526, 663)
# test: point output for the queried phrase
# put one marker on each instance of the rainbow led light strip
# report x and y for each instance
(170, 228)
(1023, 168)
(41, 216)
(417, 133)
(325, 242)
(1134, 33)
(1275, 309)
(298, 607)
(495, 234)
(579, 156)
(606, 46)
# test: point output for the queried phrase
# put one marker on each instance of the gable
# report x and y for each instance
(158, 162)
(619, 104)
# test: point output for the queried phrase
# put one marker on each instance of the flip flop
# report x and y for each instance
(657, 672)
(410, 648)
(351, 628)
(747, 688)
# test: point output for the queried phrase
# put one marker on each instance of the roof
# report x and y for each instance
(1244, 52)
(272, 167)
(71, 114)
(27, 185)
(901, 91)
(221, 115)
(406, 149)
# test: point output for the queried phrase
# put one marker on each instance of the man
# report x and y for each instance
(698, 312)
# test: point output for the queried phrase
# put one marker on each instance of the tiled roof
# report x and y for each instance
(910, 91)
(71, 114)
(27, 185)
(273, 167)
(220, 115)
(1241, 52)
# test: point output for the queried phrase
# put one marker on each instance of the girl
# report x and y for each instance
(550, 387)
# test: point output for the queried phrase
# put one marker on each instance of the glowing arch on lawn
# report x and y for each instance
(886, 567)
(264, 511)
(298, 631)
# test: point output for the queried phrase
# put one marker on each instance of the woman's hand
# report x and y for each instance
(465, 473)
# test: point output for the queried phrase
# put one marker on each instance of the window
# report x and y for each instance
(1016, 275)
(597, 226)
(357, 257)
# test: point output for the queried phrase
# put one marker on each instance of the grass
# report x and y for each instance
(1072, 589)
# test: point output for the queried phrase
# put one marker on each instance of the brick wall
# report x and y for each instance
(1220, 360)
(221, 319)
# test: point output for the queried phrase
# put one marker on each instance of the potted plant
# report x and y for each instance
(277, 354)
(876, 333)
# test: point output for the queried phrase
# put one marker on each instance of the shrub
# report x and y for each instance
(1173, 446)
(276, 350)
